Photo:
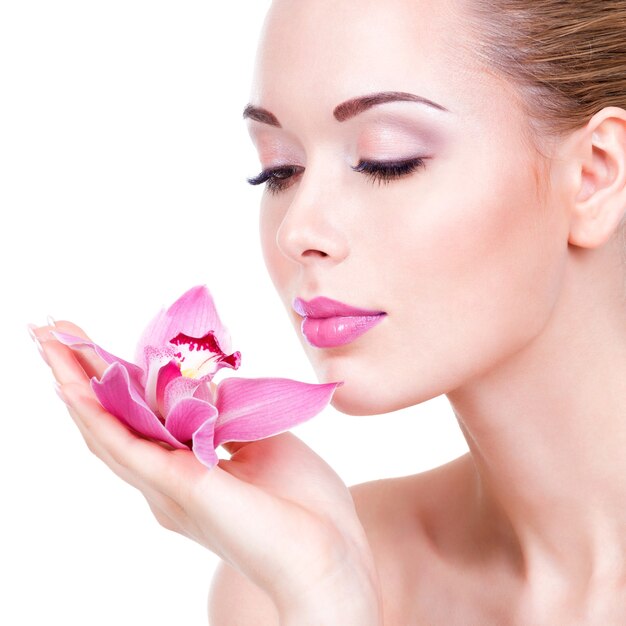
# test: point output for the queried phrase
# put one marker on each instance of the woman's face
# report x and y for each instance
(462, 253)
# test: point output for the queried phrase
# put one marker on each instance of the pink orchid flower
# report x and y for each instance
(166, 395)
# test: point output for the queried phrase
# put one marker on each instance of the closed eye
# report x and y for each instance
(386, 171)
(279, 178)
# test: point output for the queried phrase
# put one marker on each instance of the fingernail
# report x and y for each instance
(50, 320)
(60, 393)
(31, 331)
(43, 354)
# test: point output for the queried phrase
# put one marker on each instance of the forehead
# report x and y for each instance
(332, 50)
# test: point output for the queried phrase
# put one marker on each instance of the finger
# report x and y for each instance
(65, 368)
(93, 364)
(42, 333)
(168, 513)
(99, 451)
(232, 446)
(146, 462)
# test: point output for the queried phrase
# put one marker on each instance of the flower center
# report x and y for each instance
(198, 356)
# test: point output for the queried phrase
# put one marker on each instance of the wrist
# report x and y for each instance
(349, 595)
(345, 610)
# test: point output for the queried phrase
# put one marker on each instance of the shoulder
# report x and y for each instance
(392, 512)
(392, 502)
(235, 601)
(402, 518)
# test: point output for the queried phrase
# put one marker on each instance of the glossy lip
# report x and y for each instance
(331, 332)
(322, 307)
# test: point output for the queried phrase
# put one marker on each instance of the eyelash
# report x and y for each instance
(381, 171)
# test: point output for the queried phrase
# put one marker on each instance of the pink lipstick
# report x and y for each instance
(329, 323)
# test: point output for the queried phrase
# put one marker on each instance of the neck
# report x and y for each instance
(547, 435)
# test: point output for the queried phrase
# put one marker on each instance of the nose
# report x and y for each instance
(311, 230)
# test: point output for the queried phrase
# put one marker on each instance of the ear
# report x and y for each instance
(598, 156)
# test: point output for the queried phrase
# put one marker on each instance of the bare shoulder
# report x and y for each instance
(390, 511)
(392, 503)
(398, 516)
(235, 601)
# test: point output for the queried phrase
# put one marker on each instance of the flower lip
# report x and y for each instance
(322, 307)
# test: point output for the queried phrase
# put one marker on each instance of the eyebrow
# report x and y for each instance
(350, 108)
(260, 115)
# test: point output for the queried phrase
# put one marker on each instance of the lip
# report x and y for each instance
(321, 307)
(329, 323)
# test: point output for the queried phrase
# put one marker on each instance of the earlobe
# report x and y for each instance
(600, 200)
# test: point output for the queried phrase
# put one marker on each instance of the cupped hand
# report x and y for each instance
(275, 510)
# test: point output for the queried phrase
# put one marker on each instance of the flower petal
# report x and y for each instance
(187, 416)
(203, 444)
(203, 392)
(136, 373)
(155, 359)
(193, 314)
(183, 387)
(254, 408)
(166, 374)
(121, 399)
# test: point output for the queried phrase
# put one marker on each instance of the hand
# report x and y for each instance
(275, 510)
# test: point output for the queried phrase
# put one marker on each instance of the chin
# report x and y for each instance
(353, 398)
(350, 403)
(363, 392)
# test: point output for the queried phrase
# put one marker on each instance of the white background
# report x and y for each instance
(123, 159)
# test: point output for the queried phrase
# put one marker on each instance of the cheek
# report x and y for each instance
(278, 266)
(475, 274)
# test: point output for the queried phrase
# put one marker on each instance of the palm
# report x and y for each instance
(291, 504)
(286, 467)
(275, 510)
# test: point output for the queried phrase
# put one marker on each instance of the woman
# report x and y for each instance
(456, 170)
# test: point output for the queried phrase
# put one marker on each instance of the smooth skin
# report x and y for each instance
(275, 512)
(500, 269)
